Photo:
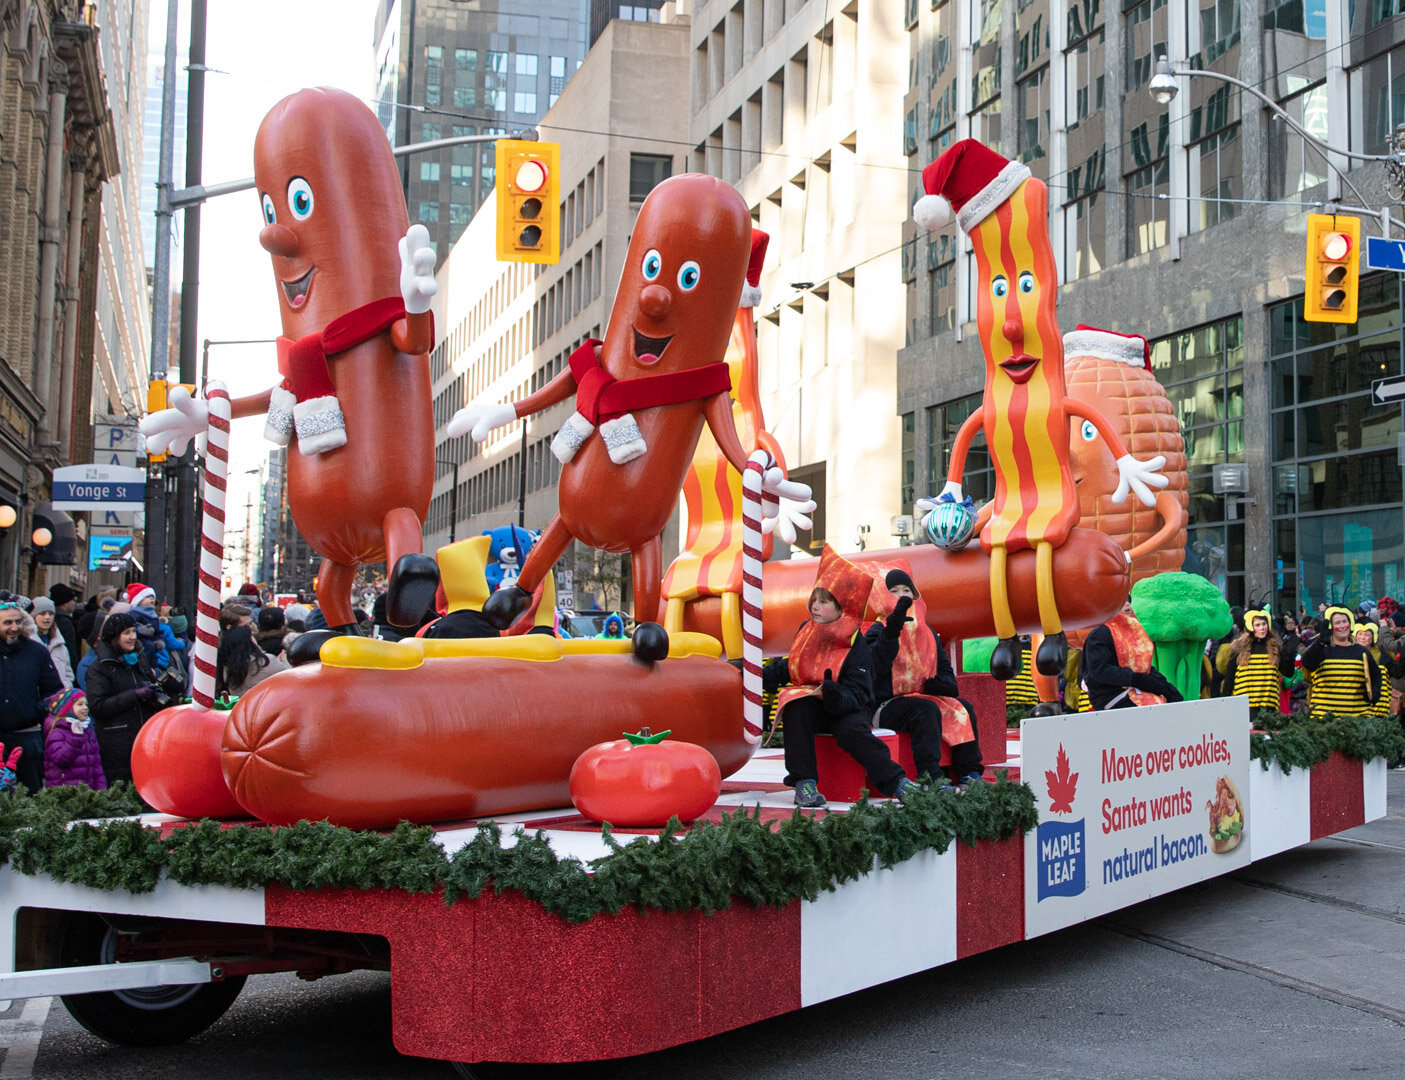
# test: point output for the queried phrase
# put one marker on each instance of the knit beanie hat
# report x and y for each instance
(137, 592)
(60, 593)
(114, 624)
(179, 624)
(61, 704)
(900, 577)
(44, 604)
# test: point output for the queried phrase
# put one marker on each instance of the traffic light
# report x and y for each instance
(156, 391)
(1333, 268)
(528, 184)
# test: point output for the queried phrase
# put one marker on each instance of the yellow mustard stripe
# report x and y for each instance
(354, 652)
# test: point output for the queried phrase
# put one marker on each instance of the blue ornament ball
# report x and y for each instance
(950, 525)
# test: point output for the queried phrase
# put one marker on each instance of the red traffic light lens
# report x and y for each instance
(1336, 246)
(530, 176)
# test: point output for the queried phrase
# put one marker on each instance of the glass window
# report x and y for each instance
(465, 64)
(1293, 165)
(465, 97)
(430, 132)
(1033, 97)
(1148, 209)
(1146, 40)
(524, 102)
(429, 171)
(429, 211)
(646, 172)
(461, 175)
(1216, 178)
(497, 100)
(909, 462)
(527, 64)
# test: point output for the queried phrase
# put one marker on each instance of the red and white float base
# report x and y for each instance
(463, 988)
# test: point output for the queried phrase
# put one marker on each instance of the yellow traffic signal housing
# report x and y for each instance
(1333, 268)
(156, 391)
(528, 184)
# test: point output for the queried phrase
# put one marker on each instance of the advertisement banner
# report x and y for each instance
(1132, 803)
(109, 552)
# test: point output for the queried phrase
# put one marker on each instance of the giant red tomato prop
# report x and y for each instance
(176, 763)
(642, 780)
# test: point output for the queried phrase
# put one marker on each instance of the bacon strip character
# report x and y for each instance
(1025, 412)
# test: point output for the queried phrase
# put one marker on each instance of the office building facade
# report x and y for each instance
(447, 68)
(1186, 224)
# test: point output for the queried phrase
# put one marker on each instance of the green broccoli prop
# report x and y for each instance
(975, 655)
(1179, 612)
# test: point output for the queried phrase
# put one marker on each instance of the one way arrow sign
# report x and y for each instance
(1387, 391)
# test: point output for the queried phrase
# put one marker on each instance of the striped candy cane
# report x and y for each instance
(207, 617)
(752, 713)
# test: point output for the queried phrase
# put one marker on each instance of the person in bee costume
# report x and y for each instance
(1346, 679)
(1258, 662)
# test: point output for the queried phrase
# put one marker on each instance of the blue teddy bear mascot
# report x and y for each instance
(506, 552)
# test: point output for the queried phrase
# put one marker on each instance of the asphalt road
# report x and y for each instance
(1290, 968)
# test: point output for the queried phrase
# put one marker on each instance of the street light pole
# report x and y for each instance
(453, 499)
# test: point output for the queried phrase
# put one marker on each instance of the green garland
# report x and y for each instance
(705, 869)
(1300, 741)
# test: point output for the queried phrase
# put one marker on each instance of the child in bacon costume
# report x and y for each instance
(1025, 412)
(1116, 666)
(818, 700)
(915, 685)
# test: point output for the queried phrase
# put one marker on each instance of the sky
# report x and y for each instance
(260, 51)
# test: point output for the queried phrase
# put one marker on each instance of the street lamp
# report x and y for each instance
(453, 499)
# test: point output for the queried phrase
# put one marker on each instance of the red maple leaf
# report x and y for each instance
(1063, 785)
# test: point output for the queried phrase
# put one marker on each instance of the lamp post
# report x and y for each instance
(453, 499)
(1164, 87)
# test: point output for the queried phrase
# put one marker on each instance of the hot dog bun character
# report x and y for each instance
(356, 331)
(1025, 412)
(643, 395)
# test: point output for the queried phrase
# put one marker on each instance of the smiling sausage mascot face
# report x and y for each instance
(327, 202)
(682, 279)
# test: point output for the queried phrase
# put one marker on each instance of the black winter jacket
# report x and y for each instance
(112, 686)
(885, 653)
(27, 676)
(855, 678)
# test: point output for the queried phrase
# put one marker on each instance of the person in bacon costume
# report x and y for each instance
(1025, 411)
(915, 686)
(1116, 668)
(830, 669)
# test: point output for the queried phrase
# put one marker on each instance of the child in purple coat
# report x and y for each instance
(71, 753)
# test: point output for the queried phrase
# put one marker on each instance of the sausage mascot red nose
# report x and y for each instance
(643, 395)
(356, 331)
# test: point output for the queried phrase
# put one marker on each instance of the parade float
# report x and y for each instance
(408, 806)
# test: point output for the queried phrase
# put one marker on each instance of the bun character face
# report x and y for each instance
(331, 206)
(682, 279)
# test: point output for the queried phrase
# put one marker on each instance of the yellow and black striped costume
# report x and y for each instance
(1020, 689)
(1258, 678)
(1345, 679)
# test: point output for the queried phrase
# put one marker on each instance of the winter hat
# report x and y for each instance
(1130, 349)
(61, 704)
(751, 291)
(249, 589)
(42, 604)
(115, 624)
(179, 624)
(900, 577)
(137, 592)
(60, 593)
(969, 180)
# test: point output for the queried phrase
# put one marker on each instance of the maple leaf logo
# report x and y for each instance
(1063, 785)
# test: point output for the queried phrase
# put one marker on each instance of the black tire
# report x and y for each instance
(506, 1070)
(155, 1016)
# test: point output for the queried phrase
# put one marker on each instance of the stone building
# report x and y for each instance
(73, 328)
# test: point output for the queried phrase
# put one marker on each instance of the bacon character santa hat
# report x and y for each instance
(1130, 349)
(751, 291)
(966, 183)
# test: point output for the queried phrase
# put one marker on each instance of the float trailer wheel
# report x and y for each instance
(151, 1016)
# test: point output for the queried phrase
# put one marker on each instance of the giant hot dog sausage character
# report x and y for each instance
(642, 395)
(356, 328)
(1025, 413)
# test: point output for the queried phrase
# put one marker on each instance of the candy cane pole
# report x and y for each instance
(207, 617)
(752, 713)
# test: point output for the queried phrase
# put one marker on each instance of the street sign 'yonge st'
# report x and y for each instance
(99, 487)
